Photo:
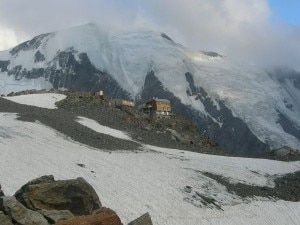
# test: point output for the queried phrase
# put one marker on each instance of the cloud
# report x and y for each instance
(7, 38)
(238, 29)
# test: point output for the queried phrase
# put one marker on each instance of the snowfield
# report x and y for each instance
(46, 100)
(152, 180)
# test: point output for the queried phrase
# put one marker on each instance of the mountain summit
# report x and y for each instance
(243, 108)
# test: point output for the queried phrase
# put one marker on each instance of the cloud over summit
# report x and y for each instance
(238, 29)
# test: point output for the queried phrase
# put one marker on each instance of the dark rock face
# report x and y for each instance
(288, 126)
(233, 136)
(103, 216)
(19, 213)
(3, 66)
(212, 54)
(296, 81)
(283, 74)
(76, 75)
(30, 45)
(163, 35)
(289, 81)
(39, 57)
(77, 195)
(143, 220)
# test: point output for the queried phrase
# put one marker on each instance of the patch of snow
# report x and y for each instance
(103, 129)
(45, 100)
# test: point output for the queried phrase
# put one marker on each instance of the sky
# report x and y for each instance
(287, 11)
(262, 32)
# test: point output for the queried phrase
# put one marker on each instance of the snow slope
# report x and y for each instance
(46, 100)
(129, 54)
(152, 180)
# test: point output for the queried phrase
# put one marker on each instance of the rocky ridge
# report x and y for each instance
(178, 132)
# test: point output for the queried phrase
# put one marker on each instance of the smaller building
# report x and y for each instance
(100, 94)
(122, 103)
(159, 108)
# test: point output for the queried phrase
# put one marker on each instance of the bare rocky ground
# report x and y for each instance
(64, 121)
(286, 187)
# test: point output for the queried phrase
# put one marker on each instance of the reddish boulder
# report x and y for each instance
(103, 216)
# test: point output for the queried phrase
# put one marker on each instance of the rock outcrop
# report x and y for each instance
(103, 216)
(55, 216)
(77, 195)
(19, 213)
(143, 220)
(45, 201)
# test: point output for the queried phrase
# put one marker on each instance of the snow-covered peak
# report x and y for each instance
(126, 54)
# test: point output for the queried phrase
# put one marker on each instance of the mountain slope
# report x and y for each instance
(246, 110)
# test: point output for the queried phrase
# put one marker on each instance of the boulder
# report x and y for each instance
(285, 151)
(1, 192)
(54, 216)
(76, 195)
(103, 216)
(143, 220)
(19, 213)
(5, 220)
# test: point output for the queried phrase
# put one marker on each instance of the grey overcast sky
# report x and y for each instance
(249, 29)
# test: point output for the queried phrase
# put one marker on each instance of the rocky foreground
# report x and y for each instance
(45, 201)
